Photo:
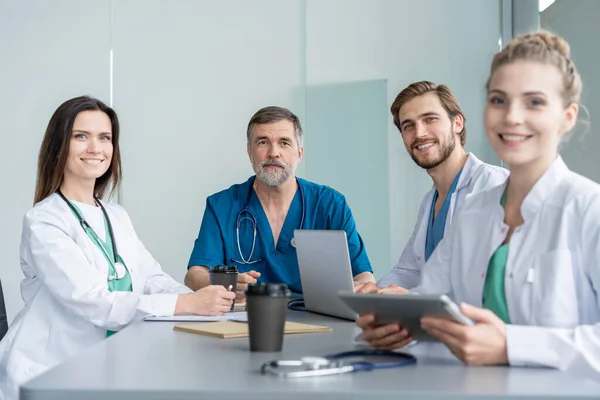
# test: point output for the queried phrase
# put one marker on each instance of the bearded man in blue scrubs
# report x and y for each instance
(251, 225)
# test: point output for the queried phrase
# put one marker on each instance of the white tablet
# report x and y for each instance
(407, 310)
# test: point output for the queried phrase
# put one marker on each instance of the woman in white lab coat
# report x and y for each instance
(523, 259)
(87, 275)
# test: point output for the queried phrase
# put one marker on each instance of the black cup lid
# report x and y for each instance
(268, 289)
(228, 269)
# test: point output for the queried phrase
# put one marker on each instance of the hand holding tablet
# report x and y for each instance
(405, 310)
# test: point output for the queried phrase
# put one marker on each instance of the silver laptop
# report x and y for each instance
(325, 269)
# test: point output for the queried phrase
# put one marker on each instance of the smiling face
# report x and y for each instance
(274, 152)
(525, 116)
(90, 147)
(428, 133)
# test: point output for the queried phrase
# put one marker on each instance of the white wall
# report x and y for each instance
(188, 77)
(43, 64)
(188, 74)
(168, 65)
(578, 21)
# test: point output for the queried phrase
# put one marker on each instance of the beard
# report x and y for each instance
(274, 176)
(446, 149)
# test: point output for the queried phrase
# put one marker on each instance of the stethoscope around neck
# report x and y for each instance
(250, 216)
(118, 267)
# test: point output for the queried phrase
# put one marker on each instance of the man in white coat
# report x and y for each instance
(432, 126)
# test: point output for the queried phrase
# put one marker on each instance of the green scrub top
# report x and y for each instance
(494, 294)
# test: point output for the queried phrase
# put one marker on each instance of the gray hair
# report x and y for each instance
(271, 114)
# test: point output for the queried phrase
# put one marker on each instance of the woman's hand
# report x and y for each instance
(210, 300)
(481, 344)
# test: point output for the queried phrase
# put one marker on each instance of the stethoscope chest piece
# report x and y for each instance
(120, 270)
(315, 362)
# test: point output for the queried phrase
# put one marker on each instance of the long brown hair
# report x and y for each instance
(55, 149)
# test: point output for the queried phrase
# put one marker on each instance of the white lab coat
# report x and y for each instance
(67, 303)
(552, 279)
(476, 176)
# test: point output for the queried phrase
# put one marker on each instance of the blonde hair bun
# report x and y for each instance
(548, 40)
(546, 48)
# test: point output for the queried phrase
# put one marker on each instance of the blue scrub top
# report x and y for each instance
(437, 225)
(326, 209)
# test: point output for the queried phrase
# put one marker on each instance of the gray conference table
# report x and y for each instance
(151, 361)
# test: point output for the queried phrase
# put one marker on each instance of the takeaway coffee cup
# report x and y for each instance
(224, 275)
(267, 308)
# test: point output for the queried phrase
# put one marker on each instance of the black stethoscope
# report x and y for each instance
(250, 216)
(118, 267)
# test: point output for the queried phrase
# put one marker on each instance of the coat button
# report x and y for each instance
(503, 230)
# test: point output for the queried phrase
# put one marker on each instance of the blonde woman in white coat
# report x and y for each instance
(86, 273)
(523, 259)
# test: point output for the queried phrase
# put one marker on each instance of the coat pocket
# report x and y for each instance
(554, 291)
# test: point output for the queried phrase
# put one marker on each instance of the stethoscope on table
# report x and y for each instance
(334, 364)
(297, 305)
(117, 266)
(252, 219)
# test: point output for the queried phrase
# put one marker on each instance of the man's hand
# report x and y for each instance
(481, 344)
(366, 287)
(370, 287)
(243, 280)
(393, 289)
(384, 337)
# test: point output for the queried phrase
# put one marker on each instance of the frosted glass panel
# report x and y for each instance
(346, 148)
(50, 51)
(188, 77)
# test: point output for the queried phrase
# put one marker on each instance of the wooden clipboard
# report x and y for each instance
(231, 329)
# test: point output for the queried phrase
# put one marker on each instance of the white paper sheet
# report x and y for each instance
(239, 316)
